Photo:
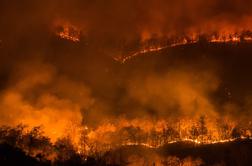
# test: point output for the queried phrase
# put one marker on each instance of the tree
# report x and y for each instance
(199, 130)
(12, 135)
(84, 142)
(202, 128)
(194, 132)
(154, 137)
(236, 133)
(169, 134)
(65, 149)
(131, 134)
(225, 129)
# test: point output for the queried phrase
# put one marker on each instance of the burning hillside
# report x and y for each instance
(88, 82)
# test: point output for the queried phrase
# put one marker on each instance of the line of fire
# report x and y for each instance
(130, 82)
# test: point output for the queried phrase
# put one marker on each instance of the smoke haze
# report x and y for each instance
(49, 81)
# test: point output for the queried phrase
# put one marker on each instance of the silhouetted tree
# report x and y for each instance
(154, 137)
(199, 130)
(236, 133)
(36, 144)
(202, 128)
(11, 135)
(169, 134)
(65, 149)
(194, 132)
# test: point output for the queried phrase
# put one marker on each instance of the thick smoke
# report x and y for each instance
(48, 81)
(103, 22)
(38, 96)
(176, 93)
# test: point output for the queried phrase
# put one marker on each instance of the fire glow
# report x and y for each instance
(69, 32)
(85, 79)
(144, 133)
(220, 38)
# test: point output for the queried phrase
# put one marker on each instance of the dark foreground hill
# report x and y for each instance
(236, 153)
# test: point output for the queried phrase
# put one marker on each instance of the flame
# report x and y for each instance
(69, 32)
(222, 37)
(87, 140)
(139, 132)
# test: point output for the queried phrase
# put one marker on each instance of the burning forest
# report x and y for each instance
(128, 82)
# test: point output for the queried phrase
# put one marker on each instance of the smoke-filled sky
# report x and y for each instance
(48, 80)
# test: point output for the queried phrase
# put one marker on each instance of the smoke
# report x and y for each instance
(38, 96)
(104, 22)
(48, 81)
(175, 93)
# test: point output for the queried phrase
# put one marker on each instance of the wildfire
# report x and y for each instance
(87, 141)
(155, 135)
(185, 140)
(146, 50)
(170, 43)
(69, 32)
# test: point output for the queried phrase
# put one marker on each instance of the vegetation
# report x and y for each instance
(18, 145)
